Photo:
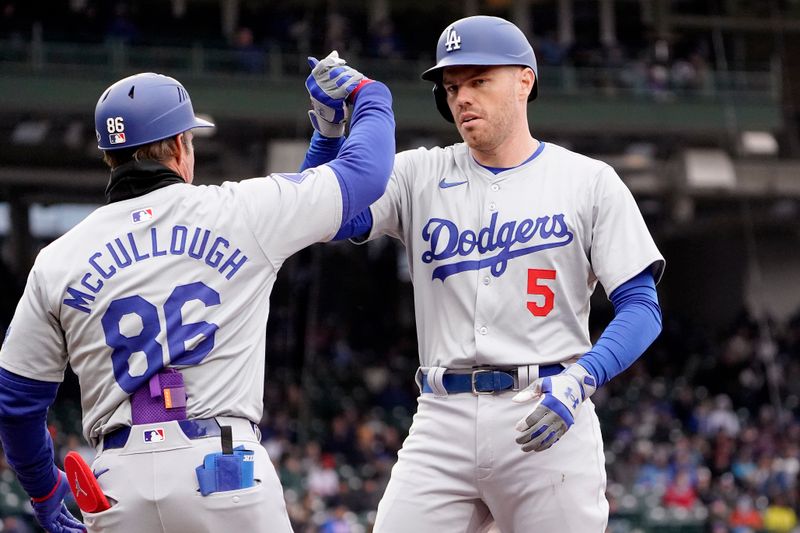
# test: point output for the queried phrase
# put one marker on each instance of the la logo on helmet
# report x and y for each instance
(453, 41)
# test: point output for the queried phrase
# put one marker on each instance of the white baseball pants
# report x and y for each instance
(152, 487)
(460, 467)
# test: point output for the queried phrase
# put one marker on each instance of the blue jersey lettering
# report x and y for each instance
(448, 241)
(122, 252)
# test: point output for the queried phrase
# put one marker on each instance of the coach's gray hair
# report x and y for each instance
(157, 151)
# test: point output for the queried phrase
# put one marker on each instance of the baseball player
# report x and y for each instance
(506, 237)
(159, 302)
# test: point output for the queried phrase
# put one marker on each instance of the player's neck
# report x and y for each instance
(511, 153)
(174, 166)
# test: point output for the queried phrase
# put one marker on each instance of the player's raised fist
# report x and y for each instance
(331, 85)
(557, 401)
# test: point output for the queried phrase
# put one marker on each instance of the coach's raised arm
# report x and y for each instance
(159, 302)
(365, 159)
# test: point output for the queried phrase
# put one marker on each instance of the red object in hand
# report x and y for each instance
(84, 485)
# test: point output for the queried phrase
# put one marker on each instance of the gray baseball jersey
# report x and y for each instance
(180, 276)
(504, 265)
(503, 269)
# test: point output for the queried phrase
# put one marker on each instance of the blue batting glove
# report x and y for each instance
(330, 83)
(557, 401)
(52, 514)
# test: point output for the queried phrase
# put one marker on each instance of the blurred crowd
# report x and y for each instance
(705, 430)
(262, 32)
(702, 434)
(659, 68)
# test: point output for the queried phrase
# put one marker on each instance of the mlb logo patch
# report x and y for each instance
(154, 435)
(142, 215)
(116, 138)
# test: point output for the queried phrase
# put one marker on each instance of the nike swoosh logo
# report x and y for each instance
(445, 184)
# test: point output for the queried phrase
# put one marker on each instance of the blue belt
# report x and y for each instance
(194, 428)
(485, 380)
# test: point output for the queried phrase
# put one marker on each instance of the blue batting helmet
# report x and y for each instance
(142, 109)
(479, 40)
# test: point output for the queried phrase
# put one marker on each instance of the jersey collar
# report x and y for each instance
(498, 170)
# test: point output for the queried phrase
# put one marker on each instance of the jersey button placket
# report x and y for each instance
(492, 203)
(484, 298)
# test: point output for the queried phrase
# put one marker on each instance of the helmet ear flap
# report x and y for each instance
(440, 96)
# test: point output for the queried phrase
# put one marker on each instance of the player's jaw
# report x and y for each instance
(486, 130)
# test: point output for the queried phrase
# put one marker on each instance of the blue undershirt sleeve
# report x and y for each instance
(321, 149)
(636, 324)
(23, 431)
(358, 226)
(366, 158)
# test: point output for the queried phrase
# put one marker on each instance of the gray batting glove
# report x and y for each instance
(330, 84)
(557, 401)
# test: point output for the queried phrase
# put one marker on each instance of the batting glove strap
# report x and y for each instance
(587, 382)
(352, 97)
(50, 494)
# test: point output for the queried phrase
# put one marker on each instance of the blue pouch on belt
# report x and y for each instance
(222, 471)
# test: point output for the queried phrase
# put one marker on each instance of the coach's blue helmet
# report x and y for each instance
(479, 40)
(141, 109)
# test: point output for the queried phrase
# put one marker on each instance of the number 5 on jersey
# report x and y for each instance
(536, 287)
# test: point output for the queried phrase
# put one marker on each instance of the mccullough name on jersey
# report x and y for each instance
(447, 241)
(121, 252)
